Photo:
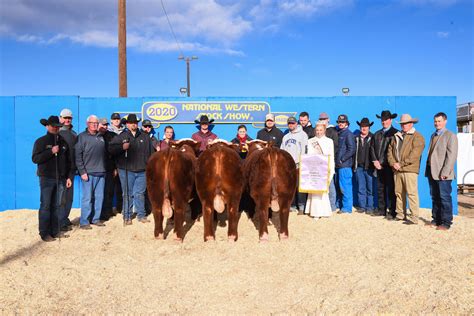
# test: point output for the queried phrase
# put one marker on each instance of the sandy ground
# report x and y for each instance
(347, 264)
(466, 205)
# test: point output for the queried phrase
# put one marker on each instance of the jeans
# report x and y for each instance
(442, 210)
(332, 195)
(133, 193)
(68, 197)
(365, 184)
(92, 198)
(118, 194)
(299, 200)
(386, 191)
(51, 197)
(344, 177)
(106, 212)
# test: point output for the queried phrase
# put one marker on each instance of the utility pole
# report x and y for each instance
(188, 79)
(122, 47)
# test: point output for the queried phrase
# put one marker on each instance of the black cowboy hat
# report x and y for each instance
(385, 115)
(204, 119)
(132, 118)
(53, 120)
(364, 122)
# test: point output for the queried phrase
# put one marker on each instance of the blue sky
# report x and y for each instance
(245, 48)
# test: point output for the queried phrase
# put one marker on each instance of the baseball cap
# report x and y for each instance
(66, 113)
(103, 121)
(270, 117)
(115, 116)
(323, 116)
(342, 118)
(291, 119)
(146, 123)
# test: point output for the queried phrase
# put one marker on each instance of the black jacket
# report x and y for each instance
(309, 130)
(275, 135)
(46, 160)
(139, 151)
(109, 158)
(367, 162)
(331, 132)
(70, 137)
(380, 142)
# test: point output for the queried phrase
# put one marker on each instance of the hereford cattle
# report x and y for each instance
(270, 176)
(170, 182)
(219, 185)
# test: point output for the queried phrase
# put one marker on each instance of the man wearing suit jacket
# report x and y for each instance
(442, 156)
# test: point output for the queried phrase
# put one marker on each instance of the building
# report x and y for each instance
(464, 117)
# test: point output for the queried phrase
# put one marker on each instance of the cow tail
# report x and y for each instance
(274, 194)
(219, 204)
(167, 209)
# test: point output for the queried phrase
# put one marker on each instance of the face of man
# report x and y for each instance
(93, 125)
(364, 130)
(52, 129)
(132, 126)
(146, 129)
(406, 127)
(387, 123)
(292, 126)
(169, 133)
(320, 130)
(440, 122)
(269, 124)
(342, 125)
(103, 128)
(325, 121)
(116, 122)
(304, 120)
(66, 121)
(204, 128)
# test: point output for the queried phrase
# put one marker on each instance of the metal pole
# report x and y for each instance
(122, 46)
(189, 80)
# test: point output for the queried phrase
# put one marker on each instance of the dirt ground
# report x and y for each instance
(346, 264)
(466, 205)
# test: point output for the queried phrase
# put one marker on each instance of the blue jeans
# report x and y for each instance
(135, 191)
(344, 177)
(365, 185)
(332, 195)
(442, 210)
(51, 197)
(92, 198)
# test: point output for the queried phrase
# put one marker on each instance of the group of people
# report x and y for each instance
(111, 161)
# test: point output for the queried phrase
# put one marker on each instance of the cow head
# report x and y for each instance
(223, 142)
(186, 145)
(257, 144)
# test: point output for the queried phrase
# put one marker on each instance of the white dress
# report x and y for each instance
(318, 204)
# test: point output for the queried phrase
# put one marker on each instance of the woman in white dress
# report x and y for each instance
(318, 204)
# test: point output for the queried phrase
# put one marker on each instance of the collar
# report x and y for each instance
(386, 129)
(440, 132)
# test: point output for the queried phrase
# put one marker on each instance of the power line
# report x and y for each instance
(171, 28)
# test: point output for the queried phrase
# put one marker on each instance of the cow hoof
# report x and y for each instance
(160, 237)
(232, 238)
(264, 238)
(209, 238)
(177, 239)
(283, 237)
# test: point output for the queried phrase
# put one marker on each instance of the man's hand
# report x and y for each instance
(85, 177)
(115, 173)
(55, 149)
(125, 146)
(444, 177)
(377, 165)
(68, 183)
(396, 166)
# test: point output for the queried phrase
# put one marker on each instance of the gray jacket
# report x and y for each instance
(295, 143)
(70, 137)
(443, 155)
(90, 153)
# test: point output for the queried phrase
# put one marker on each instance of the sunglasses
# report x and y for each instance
(67, 118)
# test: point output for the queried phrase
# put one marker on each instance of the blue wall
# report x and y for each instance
(20, 128)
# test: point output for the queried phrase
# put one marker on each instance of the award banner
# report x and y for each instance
(314, 173)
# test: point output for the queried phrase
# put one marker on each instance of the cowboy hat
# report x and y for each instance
(53, 120)
(364, 122)
(406, 118)
(132, 118)
(385, 115)
(204, 119)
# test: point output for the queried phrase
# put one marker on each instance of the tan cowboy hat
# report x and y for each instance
(406, 118)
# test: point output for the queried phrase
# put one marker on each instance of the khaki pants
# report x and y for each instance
(406, 187)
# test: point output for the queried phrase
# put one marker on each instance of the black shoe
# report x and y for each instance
(88, 226)
(99, 223)
(61, 235)
(48, 238)
(66, 228)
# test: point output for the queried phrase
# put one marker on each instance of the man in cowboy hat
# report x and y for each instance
(270, 132)
(70, 136)
(404, 155)
(345, 152)
(51, 154)
(442, 155)
(378, 155)
(204, 135)
(131, 149)
(363, 167)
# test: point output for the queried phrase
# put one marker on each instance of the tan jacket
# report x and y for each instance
(443, 156)
(408, 155)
